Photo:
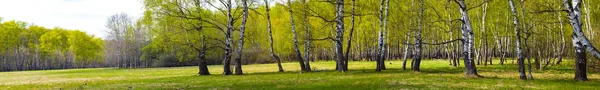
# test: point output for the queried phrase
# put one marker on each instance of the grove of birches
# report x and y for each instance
(533, 34)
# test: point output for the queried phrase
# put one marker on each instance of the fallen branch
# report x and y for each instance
(326, 38)
(446, 42)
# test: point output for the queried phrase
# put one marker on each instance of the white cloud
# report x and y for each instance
(85, 15)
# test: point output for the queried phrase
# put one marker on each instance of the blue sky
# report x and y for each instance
(85, 15)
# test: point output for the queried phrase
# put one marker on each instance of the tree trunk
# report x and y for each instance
(228, 40)
(580, 42)
(381, 39)
(580, 61)
(339, 35)
(296, 49)
(350, 37)
(202, 68)
(467, 35)
(418, 46)
(528, 35)
(453, 52)
(562, 37)
(520, 58)
(588, 21)
(238, 59)
(484, 34)
(499, 45)
(307, 41)
(271, 38)
(405, 53)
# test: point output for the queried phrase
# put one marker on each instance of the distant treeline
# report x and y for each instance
(31, 47)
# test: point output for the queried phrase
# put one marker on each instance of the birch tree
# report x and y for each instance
(350, 36)
(418, 40)
(273, 55)
(296, 49)
(580, 42)
(520, 58)
(307, 41)
(468, 40)
(228, 38)
(238, 59)
(339, 38)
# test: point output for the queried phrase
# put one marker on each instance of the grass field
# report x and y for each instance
(435, 74)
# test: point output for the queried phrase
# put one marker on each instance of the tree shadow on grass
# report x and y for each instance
(282, 81)
(360, 79)
(264, 81)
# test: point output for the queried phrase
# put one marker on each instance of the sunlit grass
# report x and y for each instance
(435, 74)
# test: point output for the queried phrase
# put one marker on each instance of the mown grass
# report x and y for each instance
(435, 74)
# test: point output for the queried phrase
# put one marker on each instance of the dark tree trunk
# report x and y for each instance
(350, 36)
(202, 68)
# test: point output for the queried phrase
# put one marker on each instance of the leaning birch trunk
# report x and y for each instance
(350, 36)
(228, 41)
(296, 50)
(405, 53)
(562, 37)
(418, 41)
(520, 59)
(238, 59)
(580, 42)
(307, 42)
(271, 37)
(339, 54)
(467, 35)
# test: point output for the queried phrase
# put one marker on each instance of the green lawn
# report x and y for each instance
(435, 74)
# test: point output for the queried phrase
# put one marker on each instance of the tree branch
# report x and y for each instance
(446, 42)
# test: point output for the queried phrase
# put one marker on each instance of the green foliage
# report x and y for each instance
(61, 41)
(85, 47)
(9, 34)
(55, 41)
(181, 23)
(58, 40)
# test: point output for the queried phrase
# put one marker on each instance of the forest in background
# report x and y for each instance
(192, 32)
